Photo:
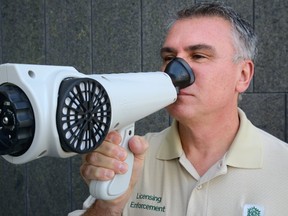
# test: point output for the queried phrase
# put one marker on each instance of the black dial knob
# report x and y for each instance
(17, 125)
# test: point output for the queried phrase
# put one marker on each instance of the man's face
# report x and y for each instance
(206, 44)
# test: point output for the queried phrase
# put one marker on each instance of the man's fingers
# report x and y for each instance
(138, 145)
(109, 159)
(113, 137)
(110, 147)
(97, 164)
(95, 173)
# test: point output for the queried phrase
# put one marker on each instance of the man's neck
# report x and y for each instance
(206, 142)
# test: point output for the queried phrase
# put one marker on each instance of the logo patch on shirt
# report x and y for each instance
(253, 210)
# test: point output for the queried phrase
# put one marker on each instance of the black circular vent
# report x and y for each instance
(17, 124)
(83, 114)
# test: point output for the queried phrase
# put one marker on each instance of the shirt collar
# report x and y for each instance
(171, 148)
(246, 150)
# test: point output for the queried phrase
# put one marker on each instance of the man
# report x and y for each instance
(212, 160)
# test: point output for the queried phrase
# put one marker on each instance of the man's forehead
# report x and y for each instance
(202, 24)
(198, 33)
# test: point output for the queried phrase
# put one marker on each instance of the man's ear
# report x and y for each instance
(247, 72)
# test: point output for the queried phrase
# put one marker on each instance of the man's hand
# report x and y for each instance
(108, 160)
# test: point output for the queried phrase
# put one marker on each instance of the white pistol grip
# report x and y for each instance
(111, 189)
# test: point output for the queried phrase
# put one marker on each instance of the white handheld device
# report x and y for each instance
(57, 111)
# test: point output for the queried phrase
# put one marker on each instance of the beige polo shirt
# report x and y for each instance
(250, 180)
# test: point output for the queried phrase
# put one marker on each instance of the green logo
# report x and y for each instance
(253, 211)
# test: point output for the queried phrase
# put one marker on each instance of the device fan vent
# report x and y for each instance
(83, 114)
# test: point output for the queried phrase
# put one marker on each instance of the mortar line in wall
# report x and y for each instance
(253, 14)
(70, 188)
(285, 120)
(45, 32)
(254, 27)
(141, 36)
(91, 37)
(27, 200)
(1, 32)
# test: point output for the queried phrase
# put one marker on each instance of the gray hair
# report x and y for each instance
(245, 39)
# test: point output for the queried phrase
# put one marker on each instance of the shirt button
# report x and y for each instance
(199, 187)
(220, 165)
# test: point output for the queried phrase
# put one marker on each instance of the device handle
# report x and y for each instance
(111, 189)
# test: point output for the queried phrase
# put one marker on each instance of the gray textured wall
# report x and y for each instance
(98, 36)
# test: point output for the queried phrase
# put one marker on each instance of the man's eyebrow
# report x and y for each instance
(167, 50)
(198, 47)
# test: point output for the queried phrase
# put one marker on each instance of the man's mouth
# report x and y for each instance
(182, 92)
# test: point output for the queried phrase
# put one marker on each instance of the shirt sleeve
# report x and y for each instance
(87, 203)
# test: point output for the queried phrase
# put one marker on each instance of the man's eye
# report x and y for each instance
(168, 58)
(198, 56)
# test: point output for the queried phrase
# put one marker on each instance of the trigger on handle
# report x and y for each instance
(111, 189)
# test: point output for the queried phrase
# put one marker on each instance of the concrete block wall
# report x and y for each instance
(98, 36)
